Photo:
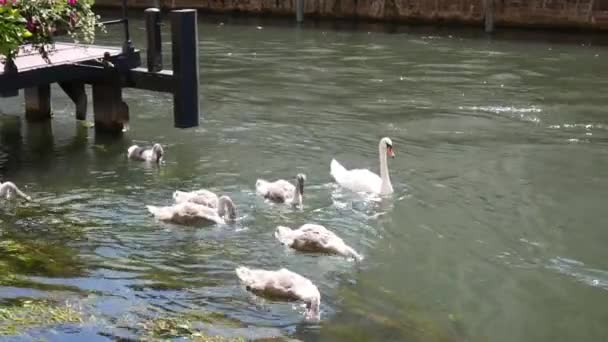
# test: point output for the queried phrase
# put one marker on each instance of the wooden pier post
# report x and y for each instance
(9, 68)
(489, 14)
(299, 11)
(38, 103)
(78, 95)
(111, 112)
(154, 53)
(184, 35)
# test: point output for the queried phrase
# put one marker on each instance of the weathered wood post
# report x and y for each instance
(184, 35)
(153, 38)
(299, 11)
(9, 67)
(38, 103)
(78, 95)
(111, 112)
(489, 14)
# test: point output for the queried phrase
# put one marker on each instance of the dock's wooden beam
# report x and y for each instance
(161, 81)
(86, 72)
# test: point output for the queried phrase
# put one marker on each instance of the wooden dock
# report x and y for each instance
(108, 70)
(62, 54)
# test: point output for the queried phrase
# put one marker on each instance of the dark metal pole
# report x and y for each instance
(299, 11)
(489, 13)
(127, 47)
(154, 52)
(184, 35)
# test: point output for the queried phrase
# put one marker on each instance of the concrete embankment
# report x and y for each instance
(552, 14)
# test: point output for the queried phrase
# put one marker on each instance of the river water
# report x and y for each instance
(496, 230)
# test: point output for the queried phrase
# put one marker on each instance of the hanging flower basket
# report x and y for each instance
(37, 22)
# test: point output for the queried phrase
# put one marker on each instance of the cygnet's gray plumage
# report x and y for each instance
(315, 238)
(154, 154)
(283, 284)
(281, 191)
(188, 213)
(9, 189)
(202, 196)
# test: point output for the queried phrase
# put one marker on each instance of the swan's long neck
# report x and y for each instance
(225, 205)
(158, 152)
(386, 187)
(314, 312)
(8, 187)
(298, 192)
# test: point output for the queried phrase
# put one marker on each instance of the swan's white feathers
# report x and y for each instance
(363, 180)
(357, 180)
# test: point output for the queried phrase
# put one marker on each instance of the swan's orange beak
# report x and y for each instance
(390, 152)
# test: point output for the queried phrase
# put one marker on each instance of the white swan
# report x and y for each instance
(282, 284)
(189, 213)
(315, 238)
(154, 154)
(8, 189)
(203, 197)
(281, 191)
(363, 180)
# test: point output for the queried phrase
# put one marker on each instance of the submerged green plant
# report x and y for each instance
(26, 314)
(37, 258)
(174, 327)
(191, 325)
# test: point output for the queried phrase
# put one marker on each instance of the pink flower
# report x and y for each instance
(72, 2)
(30, 26)
(2, 2)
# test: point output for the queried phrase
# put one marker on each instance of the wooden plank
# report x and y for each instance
(63, 53)
(161, 81)
(55, 73)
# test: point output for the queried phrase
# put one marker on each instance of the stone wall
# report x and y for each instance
(589, 14)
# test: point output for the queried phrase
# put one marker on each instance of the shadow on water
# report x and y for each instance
(11, 142)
